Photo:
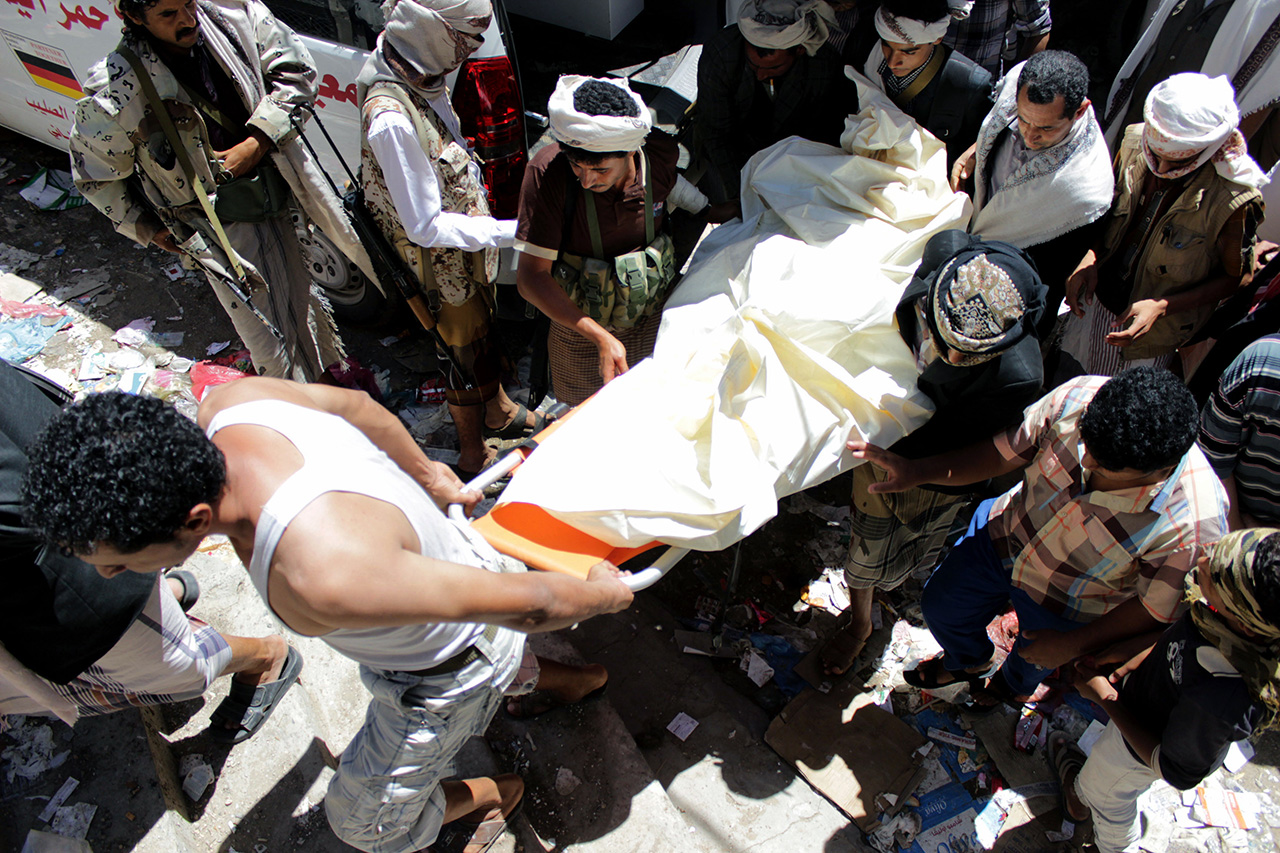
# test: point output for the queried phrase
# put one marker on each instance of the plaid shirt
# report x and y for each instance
(981, 36)
(1081, 553)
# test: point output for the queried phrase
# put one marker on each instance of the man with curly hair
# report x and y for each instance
(74, 644)
(335, 510)
(1115, 506)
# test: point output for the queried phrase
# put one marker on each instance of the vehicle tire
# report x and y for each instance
(354, 298)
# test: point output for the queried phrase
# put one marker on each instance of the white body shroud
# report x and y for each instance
(778, 344)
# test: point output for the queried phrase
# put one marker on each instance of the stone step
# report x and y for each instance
(724, 780)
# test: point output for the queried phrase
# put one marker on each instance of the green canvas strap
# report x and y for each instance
(202, 103)
(593, 222)
(184, 160)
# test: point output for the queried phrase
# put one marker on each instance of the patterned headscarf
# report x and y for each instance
(900, 30)
(784, 24)
(423, 41)
(1195, 116)
(977, 308)
(1257, 658)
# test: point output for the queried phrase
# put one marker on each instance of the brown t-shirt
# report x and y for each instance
(620, 212)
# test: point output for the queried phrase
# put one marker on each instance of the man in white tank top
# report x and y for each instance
(335, 510)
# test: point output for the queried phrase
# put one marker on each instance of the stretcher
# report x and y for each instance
(532, 535)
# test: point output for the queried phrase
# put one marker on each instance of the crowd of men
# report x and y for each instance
(1110, 269)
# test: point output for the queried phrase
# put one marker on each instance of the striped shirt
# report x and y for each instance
(1080, 553)
(1240, 428)
(983, 34)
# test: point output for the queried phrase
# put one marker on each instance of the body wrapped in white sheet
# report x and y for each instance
(776, 346)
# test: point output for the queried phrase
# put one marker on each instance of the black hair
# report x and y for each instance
(138, 9)
(1266, 578)
(589, 158)
(598, 98)
(119, 469)
(1143, 418)
(1051, 73)
(926, 11)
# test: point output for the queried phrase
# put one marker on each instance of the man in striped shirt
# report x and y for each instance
(1240, 434)
(1092, 547)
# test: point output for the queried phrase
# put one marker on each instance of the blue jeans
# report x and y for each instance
(971, 587)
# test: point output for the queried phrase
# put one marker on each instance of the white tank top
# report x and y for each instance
(337, 457)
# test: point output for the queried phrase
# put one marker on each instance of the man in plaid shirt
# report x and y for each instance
(1092, 547)
(982, 34)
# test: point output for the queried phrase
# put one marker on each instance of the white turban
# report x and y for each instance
(596, 133)
(908, 30)
(784, 24)
(1195, 116)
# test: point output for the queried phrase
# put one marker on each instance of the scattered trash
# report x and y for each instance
(205, 374)
(1067, 832)
(47, 842)
(168, 340)
(89, 283)
(196, 776)
(388, 340)
(133, 381)
(174, 270)
(432, 390)
(1031, 731)
(756, 668)
(783, 657)
(52, 189)
(135, 333)
(29, 310)
(1219, 807)
(32, 752)
(92, 367)
(216, 347)
(1238, 755)
(73, 821)
(350, 373)
(15, 260)
(1090, 737)
(422, 421)
(948, 816)
(178, 364)
(126, 359)
(962, 741)
(567, 783)
(830, 592)
(682, 726)
(56, 801)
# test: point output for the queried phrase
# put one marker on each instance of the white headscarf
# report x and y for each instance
(1193, 115)
(433, 37)
(784, 24)
(908, 30)
(596, 133)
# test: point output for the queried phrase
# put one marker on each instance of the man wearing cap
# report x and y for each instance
(969, 315)
(1040, 173)
(594, 253)
(1114, 507)
(424, 188)
(767, 77)
(1180, 235)
(947, 93)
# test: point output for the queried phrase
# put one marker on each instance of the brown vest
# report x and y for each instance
(1183, 248)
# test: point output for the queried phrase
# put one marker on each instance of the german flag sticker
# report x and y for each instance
(49, 67)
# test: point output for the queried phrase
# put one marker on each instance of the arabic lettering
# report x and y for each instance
(27, 5)
(93, 19)
(43, 107)
(329, 89)
(57, 132)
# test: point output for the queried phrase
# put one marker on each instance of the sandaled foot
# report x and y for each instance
(187, 589)
(477, 832)
(1067, 761)
(521, 424)
(841, 651)
(996, 692)
(540, 702)
(931, 674)
(238, 717)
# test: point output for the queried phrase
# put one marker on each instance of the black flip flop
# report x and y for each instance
(518, 426)
(925, 675)
(238, 717)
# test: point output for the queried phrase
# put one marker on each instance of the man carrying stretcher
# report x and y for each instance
(336, 513)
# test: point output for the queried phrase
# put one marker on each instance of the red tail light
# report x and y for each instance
(487, 99)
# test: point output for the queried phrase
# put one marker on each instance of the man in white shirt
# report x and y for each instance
(425, 190)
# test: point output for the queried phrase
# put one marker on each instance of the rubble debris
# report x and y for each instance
(567, 783)
(1220, 807)
(52, 189)
(56, 801)
(32, 754)
(73, 821)
(682, 726)
(15, 260)
(47, 842)
(196, 776)
(756, 668)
